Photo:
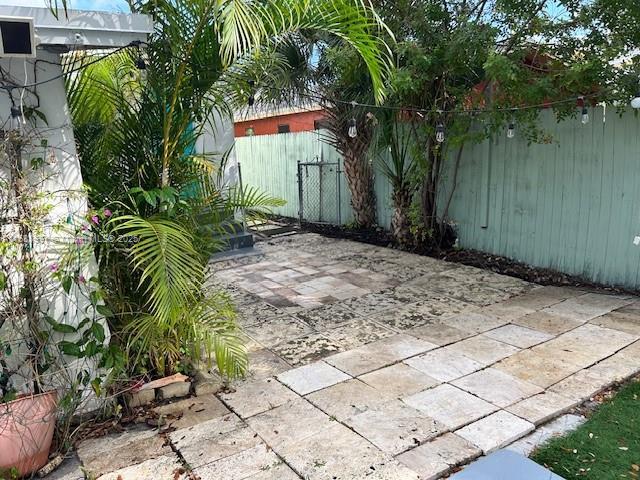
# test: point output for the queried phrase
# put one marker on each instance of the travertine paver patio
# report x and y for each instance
(371, 363)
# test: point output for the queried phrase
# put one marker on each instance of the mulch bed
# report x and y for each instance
(474, 258)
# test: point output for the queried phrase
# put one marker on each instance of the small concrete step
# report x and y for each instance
(505, 465)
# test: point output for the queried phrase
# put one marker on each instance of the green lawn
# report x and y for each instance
(607, 446)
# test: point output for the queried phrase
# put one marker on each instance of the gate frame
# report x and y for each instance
(301, 189)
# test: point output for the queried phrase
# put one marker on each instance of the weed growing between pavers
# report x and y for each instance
(607, 446)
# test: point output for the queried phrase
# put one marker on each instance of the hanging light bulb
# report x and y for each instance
(16, 118)
(635, 103)
(353, 128)
(585, 115)
(440, 132)
(511, 129)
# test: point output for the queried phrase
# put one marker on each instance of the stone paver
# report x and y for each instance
(518, 336)
(166, 466)
(542, 407)
(310, 378)
(559, 426)
(444, 365)
(347, 399)
(437, 457)
(372, 363)
(192, 411)
(213, 440)
(495, 431)
(289, 423)
(450, 406)
(257, 396)
(497, 387)
(395, 427)
(483, 349)
(244, 465)
(113, 452)
(379, 354)
(399, 380)
(335, 452)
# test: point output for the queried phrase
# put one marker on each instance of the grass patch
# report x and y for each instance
(607, 446)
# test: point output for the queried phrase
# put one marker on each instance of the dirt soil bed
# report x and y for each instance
(474, 258)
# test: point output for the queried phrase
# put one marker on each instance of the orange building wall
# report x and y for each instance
(298, 122)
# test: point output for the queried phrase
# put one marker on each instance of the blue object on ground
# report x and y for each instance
(505, 465)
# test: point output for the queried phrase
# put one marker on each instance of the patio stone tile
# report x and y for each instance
(257, 396)
(548, 323)
(277, 330)
(521, 337)
(264, 363)
(210, 441)
(495, 431)
(450, 406)
(560, 426)
(257, 312)
(474, 322)
(379, 354)
(113, 452)
(444, 365)
(439, 333)
(542, 368)
(415, 315)
(506, 311)
(312, 377)
(307, 348)
(289, 424)
(483, 349)
(280, 471)
(398, 380)
(191, 411)
(620, 366)
(497, 387)
(581, 385)
(542, 297)
(167, 466)
(374, 303)
(395, 427)
(436, 458)
(617, 320)
(243, 465)
(334, 452)
(323, 318)
(586, 307)
(347, 399)
(358, 332)
(542, 407)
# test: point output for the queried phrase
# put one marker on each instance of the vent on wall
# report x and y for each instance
(17, 37)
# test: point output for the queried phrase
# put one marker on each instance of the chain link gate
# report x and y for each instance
(319, 192)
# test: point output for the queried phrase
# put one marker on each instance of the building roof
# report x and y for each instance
(82, 29)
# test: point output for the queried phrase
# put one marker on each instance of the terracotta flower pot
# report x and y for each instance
(26, 432)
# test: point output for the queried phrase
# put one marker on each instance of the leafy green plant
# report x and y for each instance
(168, 206)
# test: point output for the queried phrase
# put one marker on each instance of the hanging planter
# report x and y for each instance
(26, 432)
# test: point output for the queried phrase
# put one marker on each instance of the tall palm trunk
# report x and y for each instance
(400, 223)
(359, 176)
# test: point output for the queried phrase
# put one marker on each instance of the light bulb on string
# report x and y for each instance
(353, 128)
(511, 129)
(585, 115)
(16, 118)
(440, 132)
(635, 102)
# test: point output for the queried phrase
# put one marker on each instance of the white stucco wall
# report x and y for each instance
(60, 177)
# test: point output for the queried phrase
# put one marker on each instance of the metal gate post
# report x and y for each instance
(338, 172)
(300, 194)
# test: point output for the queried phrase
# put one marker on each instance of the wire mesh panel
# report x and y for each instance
(319, 192)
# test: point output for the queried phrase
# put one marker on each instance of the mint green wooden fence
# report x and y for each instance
(572, 205)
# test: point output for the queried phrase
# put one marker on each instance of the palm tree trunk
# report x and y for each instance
(360, 181)
(400, 224)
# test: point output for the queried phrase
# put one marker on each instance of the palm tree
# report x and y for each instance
(136, 131)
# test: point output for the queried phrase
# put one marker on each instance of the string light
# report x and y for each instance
(635, 102)
(440, 132)
(511, 130)
(585, 111)
(353, 128)
(16, 118)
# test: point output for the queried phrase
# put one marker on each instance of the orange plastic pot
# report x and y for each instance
(26, 432)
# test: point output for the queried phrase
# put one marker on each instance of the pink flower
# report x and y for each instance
(107, 212)
(95, 219)
(81, 279)
(54, 267)
(79, 241)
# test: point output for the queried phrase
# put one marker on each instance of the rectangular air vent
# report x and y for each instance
(17, 37)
